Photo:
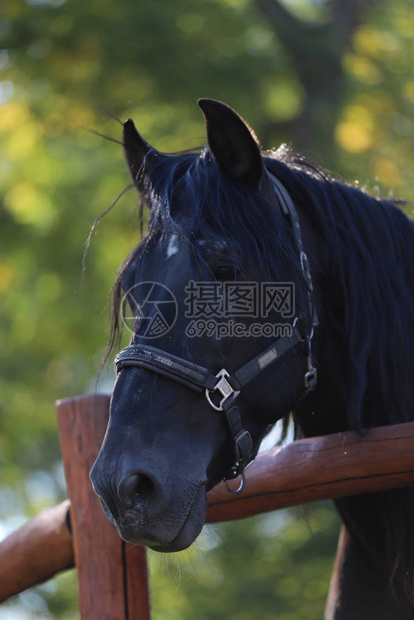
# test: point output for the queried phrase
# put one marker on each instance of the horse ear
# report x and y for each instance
(231, 142)
(135, 149)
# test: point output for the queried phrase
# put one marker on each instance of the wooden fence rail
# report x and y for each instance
(112, 574)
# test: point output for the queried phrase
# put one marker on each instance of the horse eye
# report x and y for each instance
(225, 272)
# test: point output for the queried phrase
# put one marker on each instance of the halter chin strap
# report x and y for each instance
(222, 389)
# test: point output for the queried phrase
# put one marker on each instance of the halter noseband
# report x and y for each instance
(222, 389)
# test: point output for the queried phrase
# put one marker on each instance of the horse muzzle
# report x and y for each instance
(145, 513)
(172, 531)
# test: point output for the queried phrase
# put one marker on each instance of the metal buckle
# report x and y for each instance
(311, 378)
(239, 453)
(305, 266)
(224, 387)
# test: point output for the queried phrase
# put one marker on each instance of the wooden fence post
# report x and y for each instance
(112, 575)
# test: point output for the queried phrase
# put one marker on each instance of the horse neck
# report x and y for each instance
(323, 411)
(361, 587)
(364, 293)
(379, 545)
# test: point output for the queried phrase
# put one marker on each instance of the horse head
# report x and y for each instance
(220, 292)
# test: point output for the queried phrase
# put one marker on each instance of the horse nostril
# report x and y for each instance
(139, 488)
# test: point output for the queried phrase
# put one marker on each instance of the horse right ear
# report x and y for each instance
(135, 149)
(232, 143)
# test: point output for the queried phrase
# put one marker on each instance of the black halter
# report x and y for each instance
(222, 389)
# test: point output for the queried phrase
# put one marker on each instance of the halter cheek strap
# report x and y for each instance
(279, 196)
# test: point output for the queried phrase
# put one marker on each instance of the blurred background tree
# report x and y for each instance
(332, 78)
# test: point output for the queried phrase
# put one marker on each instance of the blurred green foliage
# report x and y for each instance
(62, 63)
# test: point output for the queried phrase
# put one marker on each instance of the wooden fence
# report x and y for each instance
(112, 574)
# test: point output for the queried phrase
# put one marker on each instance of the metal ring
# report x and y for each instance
(207, 393)
(240, 487)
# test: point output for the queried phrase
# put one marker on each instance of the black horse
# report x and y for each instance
(259, 270)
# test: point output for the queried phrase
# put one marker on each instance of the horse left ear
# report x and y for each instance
(135, 149)
(231, 142)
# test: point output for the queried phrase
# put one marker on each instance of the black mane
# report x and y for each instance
(370, 245)
(368, 306)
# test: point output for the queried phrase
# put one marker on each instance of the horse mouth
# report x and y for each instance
(165, 534)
